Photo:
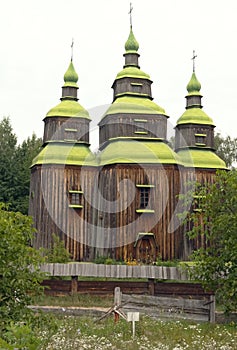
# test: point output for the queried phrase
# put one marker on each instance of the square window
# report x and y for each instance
(75, 199)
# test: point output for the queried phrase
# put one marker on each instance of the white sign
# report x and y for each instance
(133, 316)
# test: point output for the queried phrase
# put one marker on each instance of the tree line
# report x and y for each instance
(15, 161)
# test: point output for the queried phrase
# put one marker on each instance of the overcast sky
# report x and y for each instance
(36, 49)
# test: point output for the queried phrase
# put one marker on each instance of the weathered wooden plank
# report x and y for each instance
(194, 309)
(168, 314)
(167, 302)
(115, 271)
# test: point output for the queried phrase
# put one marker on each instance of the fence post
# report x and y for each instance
(151, 286)
(74, 285)
(117, 301)
(212, 309)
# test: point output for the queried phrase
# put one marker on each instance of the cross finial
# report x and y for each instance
(193, 58)
(72, 49)
(130, 13)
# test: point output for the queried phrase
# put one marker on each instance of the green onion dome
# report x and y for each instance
(131, 45)
(71, 76)
(193, 86)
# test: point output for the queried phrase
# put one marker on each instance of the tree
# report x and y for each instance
(226, 149)
(8, 143)
(15, 161)
(216, 265)
(19, 266)
(23, 157)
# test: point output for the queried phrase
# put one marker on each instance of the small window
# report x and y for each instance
(75, 199)
(136, 87)
(140, 127)
(70, 134)
(144, 197)
(200, 139)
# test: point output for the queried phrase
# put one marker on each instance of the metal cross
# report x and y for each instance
(130, 13)
(72, 49)
(193, 58)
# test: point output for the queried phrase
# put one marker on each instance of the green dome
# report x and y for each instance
(134, 105)
(201, 158)
(132, 72)
(138, 152)
(68, 154)
(68, 108)
(193, 86)
(195, 116)
(131, 45)
(71, 76)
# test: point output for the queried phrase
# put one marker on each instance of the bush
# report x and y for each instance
(19, 266)
(57, 253)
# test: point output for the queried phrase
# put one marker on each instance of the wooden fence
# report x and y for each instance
(116, 271)
(154, 296)
(189, 307)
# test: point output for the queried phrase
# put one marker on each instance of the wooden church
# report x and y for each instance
(121, 202)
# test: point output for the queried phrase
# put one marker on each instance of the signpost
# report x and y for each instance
(133, 317)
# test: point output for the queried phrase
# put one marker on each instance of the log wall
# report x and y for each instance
(120, 125)
(74, 129)
(108, 224)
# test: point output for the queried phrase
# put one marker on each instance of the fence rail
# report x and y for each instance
(116, 271)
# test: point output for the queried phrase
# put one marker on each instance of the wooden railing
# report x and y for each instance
(116, 271)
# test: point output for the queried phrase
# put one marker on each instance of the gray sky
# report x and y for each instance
(35, 53)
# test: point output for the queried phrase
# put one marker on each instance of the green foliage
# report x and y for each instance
(216, 266)
(8, 144)
(28, 335)
(168, 263)
(57, 253)
(226, 149)
(19, 266)
(24, 155)
(15, 161)
(100, 259)
(21, 336)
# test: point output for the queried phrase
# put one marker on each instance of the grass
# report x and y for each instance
(83, 332)
(80, 300)
(151, 334)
